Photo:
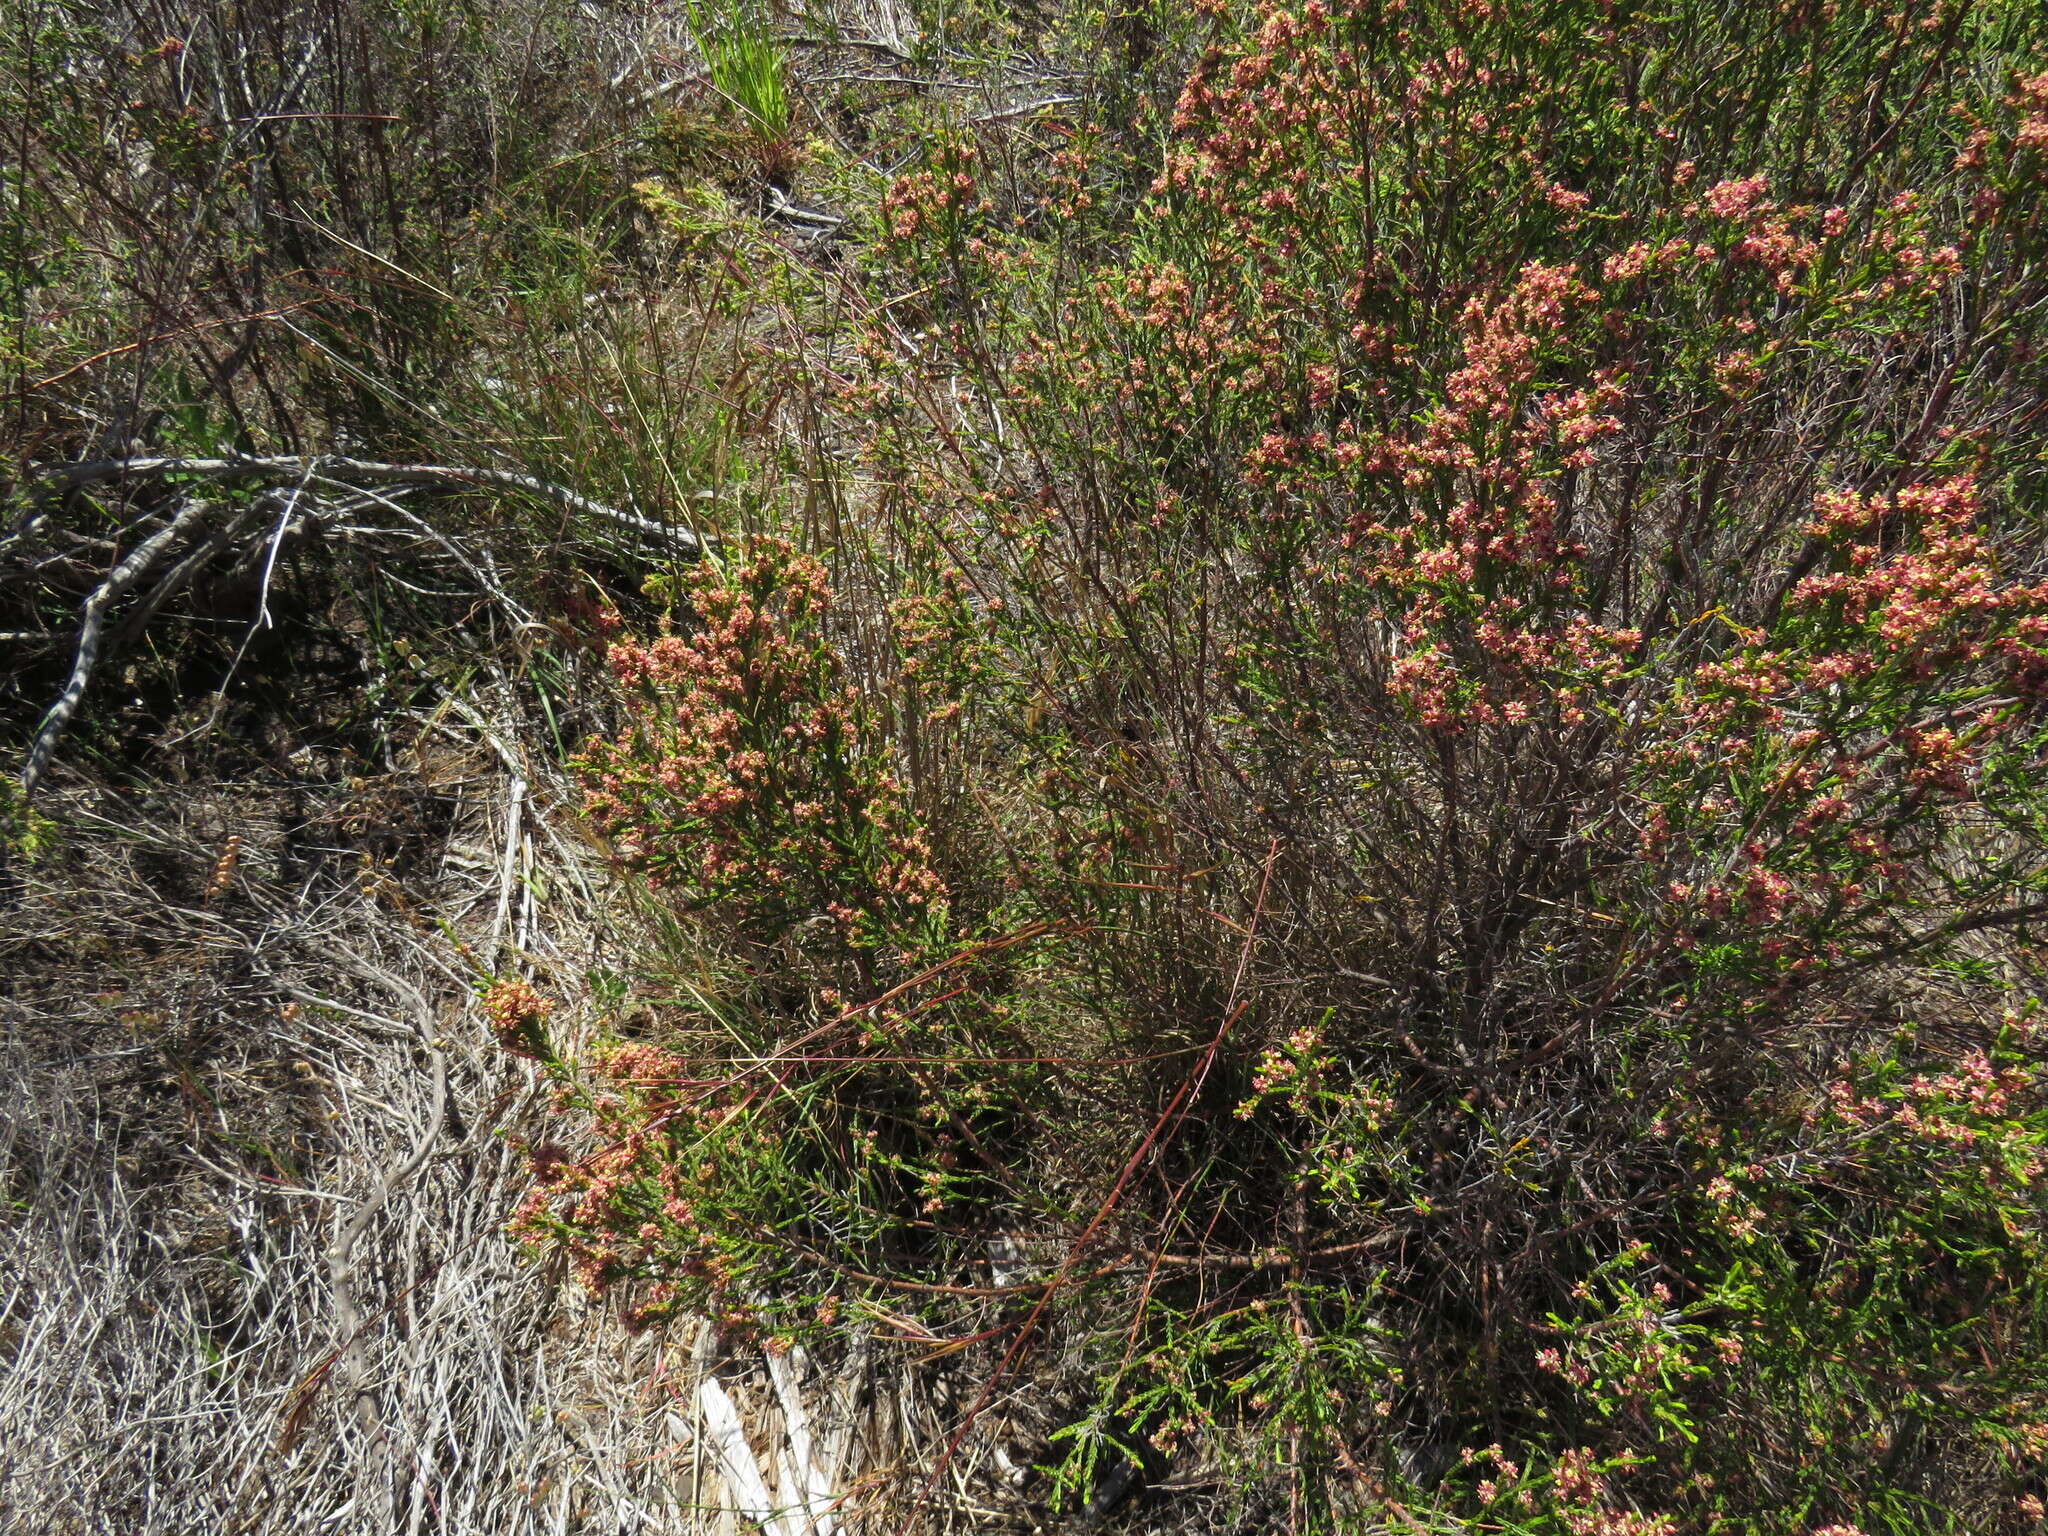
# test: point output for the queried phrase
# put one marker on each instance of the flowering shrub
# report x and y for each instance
(1481, 635)
(743, 780)
(748, 787)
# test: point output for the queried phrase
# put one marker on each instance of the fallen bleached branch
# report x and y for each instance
(812, 1478)
(52, 483)
(736, 1462)
(68, 477)
(138, 563)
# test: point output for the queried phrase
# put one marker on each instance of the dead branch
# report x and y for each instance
(139, 563)
(61, 479)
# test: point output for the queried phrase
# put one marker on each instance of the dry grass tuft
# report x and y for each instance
(256, 1177)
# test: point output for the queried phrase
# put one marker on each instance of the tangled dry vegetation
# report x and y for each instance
(259, 1151)
(291, 787)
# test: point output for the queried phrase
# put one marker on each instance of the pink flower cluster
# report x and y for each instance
(743, 778)
(1584, 1506)
(518, 1016)
(1941, 587)
(932, 200)
(1976, 1120)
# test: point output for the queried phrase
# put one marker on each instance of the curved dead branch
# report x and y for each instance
(68, 477)
(51, 483)
(138, 563)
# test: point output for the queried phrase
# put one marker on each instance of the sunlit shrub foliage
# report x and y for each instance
(1426, 781)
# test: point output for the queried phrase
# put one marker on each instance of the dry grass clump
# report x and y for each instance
(257, 1181)
(259, 1150)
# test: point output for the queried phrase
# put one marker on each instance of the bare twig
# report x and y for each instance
(1027, 109)
(180, 576)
